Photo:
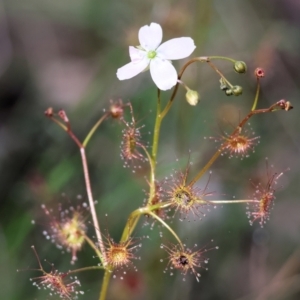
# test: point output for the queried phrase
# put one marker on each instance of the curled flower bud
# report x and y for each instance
(240, 67)
(259, 73)
(192, 97)
(237, 90)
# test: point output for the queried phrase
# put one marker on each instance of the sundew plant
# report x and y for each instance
(177, 197)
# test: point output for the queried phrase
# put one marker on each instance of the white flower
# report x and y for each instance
(150, 54)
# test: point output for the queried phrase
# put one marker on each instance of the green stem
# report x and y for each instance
(86, 269)
(132, 221)
(135, 216)
(93, 246)
(160, 205)
(207, 166)
(92, 131)
(153, 159)
(256, 95)
(152, 176)
(156, 129)
(105, 283)
(232, 201)
(60, 124)
(222, 58)
(219, 73)
(167, 226)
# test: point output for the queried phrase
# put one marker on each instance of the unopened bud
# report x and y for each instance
(240, 67)
(237, 90)
(192, 97)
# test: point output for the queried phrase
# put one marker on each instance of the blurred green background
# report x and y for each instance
(65, 54)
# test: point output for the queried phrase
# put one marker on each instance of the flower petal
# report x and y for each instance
(176, 48)
(163, 73)
(136, 55)
(132, 69)
(150, 36)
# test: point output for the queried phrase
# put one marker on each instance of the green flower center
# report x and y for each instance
(151, 54)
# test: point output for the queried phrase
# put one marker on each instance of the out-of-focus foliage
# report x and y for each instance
(65, 54)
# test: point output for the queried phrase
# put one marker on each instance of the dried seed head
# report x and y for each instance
(69, 231)
(57, 282)
(186, 260)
